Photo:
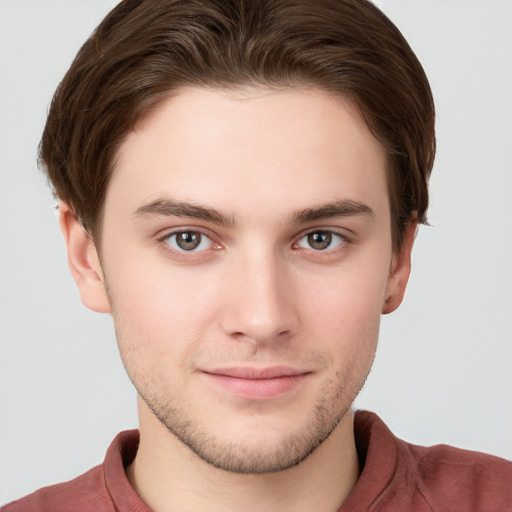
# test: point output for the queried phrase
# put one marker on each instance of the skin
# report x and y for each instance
(286, 193)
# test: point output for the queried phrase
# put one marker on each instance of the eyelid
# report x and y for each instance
(341, 232)
(346, 236)
(166, 234)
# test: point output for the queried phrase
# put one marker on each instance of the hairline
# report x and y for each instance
(247, 88)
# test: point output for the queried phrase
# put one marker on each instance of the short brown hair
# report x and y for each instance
(146, 49)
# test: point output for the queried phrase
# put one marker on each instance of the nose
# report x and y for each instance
(260, 303)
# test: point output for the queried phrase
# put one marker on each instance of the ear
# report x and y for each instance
(83, 261)
(400, 270)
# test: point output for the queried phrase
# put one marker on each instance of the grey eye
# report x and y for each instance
(320, 240)
(188, 241)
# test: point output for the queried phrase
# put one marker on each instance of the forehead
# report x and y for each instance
(289, 148)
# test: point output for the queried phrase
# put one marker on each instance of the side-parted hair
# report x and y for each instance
(145, 50)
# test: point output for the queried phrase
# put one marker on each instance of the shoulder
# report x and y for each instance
(104, 488)
(463, 478)
(86, 493)
(400, 476)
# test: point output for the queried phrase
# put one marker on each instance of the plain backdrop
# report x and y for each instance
(443, 372)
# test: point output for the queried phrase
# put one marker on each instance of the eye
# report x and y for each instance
(321, 240)
(188, 241)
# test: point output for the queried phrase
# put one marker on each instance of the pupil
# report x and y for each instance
(188, 240)
(320, 240)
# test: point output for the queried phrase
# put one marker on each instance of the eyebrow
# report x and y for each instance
(341, 208)
(170, 208)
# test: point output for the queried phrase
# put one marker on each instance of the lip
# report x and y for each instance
(257, 383)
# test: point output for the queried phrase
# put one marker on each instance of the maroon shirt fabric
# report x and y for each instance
(396, 476)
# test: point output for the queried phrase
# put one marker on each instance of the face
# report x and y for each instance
(246, 251)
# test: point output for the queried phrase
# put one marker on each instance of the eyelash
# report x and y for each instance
(182, 252)
(344, 241)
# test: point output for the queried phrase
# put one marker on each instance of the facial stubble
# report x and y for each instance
(334, 402)
(237, 457)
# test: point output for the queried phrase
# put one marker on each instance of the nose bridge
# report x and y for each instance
(260, 306)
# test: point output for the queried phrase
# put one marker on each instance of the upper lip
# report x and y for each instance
(243, 372)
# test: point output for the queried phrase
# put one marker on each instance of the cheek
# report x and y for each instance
(155, 332)
(345, 309)
(160, 310)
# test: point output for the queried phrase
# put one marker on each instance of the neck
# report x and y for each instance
(167, 475)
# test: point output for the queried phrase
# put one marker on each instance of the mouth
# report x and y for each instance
(257, 383)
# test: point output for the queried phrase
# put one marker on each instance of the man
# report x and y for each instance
(240, 184)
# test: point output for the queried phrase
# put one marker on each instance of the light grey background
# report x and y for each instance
(443, 368)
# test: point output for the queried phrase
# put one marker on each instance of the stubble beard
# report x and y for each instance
(256, 458)
(336, 398)
(238, 457)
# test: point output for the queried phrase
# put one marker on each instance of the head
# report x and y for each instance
(145, 51)
(249, 175)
